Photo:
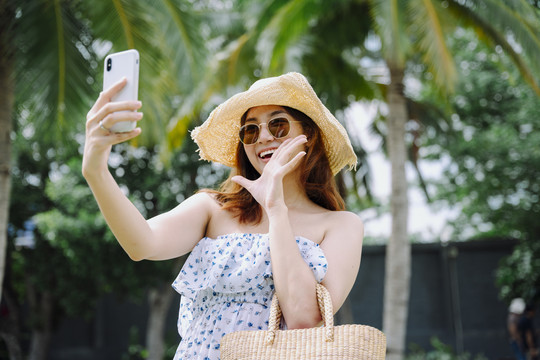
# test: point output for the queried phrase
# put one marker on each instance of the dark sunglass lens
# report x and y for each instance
(279, 127)
(249, 134)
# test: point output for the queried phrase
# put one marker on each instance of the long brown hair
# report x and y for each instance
(315, 175)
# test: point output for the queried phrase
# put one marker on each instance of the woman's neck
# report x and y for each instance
(294, 193)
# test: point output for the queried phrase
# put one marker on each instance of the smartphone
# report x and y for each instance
(116, 66)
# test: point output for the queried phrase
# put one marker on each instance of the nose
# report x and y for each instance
(264, 134)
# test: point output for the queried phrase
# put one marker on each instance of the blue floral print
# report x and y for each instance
(226, 285)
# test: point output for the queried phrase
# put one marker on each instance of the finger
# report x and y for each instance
(293, 142)
(300, 139)
(289, 146)
(106, 95)
(291, 165)
(107, 138)
(108, 121)
(122, 137)
(242, 181)
(112, 107)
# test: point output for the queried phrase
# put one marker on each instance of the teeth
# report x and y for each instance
(267, 152)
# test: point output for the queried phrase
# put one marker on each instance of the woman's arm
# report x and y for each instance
(342, 248)
(158, 238)
(295, 282)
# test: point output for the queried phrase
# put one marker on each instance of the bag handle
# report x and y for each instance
(325, 307)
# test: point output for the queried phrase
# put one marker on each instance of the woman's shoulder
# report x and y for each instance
(318, 224)
(200, 202)
(205, 198)
(340, 218)
(343, 226)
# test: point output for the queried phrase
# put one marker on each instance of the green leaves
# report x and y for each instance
(429, 26)
(53, 80)
(512, 25)
(390, 24)
(493, 145)
(517, 275)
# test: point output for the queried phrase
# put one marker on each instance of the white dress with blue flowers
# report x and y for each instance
(226, 285)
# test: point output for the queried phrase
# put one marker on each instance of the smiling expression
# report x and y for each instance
(262, 150)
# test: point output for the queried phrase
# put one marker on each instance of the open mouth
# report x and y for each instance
(267, 154)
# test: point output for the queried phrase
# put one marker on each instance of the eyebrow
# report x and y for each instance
(274, 113)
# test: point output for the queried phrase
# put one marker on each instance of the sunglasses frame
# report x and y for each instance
(265, 123)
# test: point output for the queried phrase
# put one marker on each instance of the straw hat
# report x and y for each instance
(217, 137)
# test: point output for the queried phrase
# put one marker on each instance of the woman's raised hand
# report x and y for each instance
(100, 118)
(268, 188)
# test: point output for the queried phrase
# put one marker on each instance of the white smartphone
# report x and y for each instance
(116, 66)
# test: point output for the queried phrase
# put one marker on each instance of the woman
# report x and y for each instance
(275, 225)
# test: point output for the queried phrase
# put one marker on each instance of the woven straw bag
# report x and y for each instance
(344, 342)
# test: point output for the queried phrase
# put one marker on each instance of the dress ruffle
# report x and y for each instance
(226, 285)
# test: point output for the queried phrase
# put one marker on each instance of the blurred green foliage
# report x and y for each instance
(493, 176)
(440, 351)
(195, 53)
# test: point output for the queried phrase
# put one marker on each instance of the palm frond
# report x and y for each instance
(54, 73)
(167, 34)
(345, 25)
(487, 26)
(520, 20)
(286, 27)
(183, 36)
(390, 24)
(427, 17)
(345, 86)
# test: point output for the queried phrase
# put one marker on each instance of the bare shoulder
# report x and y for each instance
(196, 207)
(202, 199)
(343, 227)
(345, 221)
(347, 217)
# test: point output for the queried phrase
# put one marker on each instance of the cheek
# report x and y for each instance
(299, 130)
(250, 153)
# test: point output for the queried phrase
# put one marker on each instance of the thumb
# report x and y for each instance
(240, 180)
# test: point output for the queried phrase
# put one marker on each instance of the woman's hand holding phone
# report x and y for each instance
(102, 116)
(114, 116)
(111, 120)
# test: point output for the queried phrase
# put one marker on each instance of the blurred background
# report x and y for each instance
(440, 98)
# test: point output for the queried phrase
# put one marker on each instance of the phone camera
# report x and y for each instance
(109, 64)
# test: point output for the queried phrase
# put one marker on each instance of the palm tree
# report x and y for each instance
(419, 27)
(7, 12)
(50, 68)
(284, 35)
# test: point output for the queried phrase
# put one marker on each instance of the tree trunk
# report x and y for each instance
(159, 300)
(10, 328)
(13, 347)
(398, 250)
(42, 308)
(6, 109)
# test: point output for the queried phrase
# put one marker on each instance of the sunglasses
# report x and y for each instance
(278, 128)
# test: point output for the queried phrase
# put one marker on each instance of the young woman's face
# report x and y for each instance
(264, 145)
